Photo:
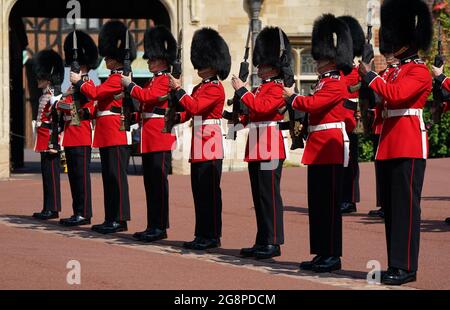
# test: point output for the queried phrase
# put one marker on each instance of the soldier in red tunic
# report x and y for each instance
(211, 57)
(392, 68)
(109, 137)
(156, 147)
(444, 82)
(327, 147)
(49, 70)
(77, 139)
(265, 151)
(351, 193)
(403, 147)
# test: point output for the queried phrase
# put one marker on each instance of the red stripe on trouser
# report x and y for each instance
(162, 188)
(84, 183)
(333, 190)
(54, 185)
(214, 197)
(274, 209)
(120, 181)
(410, 214)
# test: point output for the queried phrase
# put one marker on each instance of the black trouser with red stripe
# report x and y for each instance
(156, 169)
(78, 168)
(376, 140)
(265, 180)
(325, 219)
(351, 173)
(115, 161)
(205, 182)
(402, 181)
(50, 168)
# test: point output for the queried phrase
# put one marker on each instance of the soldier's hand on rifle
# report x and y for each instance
(55, 99)
(174, 83)
(437, 71)
(237, 83)
(126, 80)
(75, 77)
(364, 68)
(288, 91)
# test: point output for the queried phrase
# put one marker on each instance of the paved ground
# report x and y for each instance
(34, 255)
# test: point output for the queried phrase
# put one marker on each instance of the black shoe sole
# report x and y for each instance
(267, 256)
(153, 239)
(318, 269)
(204, 248)
(108, 232)
(46, 218)
(397, 282)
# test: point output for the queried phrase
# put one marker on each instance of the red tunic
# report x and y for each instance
(107, 128)
(351, 79)
(265, 140)
(445, 84)
(407, 88)
(325, 106)
(378, 120)
(78, 135)
(43, 125)
(205, 104)
(152, 139)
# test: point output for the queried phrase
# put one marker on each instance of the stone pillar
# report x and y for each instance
(5, 9)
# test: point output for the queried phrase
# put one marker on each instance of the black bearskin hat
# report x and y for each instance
(357, 33)
(111, 41)
(48, 65)
(323, 46)
(87, 50)
(385, 47)
(159, 43)
(267, 48)
(406, 23)
(209, 50)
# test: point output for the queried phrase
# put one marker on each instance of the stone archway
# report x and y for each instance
(6, 7)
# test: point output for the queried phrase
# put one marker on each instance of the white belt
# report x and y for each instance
(207, 122)
(356, 100)
(411, 112)
(341, 126)
(263, 124)
(147, 115)
(106, 113)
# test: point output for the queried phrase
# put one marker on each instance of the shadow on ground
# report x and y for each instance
(221, 255)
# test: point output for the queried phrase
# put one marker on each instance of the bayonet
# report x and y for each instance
(75, 67)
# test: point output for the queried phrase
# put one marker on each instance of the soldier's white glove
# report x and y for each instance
(55, 99)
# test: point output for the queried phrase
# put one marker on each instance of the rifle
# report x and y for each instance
(438, 95)
(296, 118)
(127, 102)
(75, 67)
(364, 111)
(56, 120)
(238, 107)
(170, 118)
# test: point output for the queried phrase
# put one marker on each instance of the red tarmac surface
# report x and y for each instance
(34, 254)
